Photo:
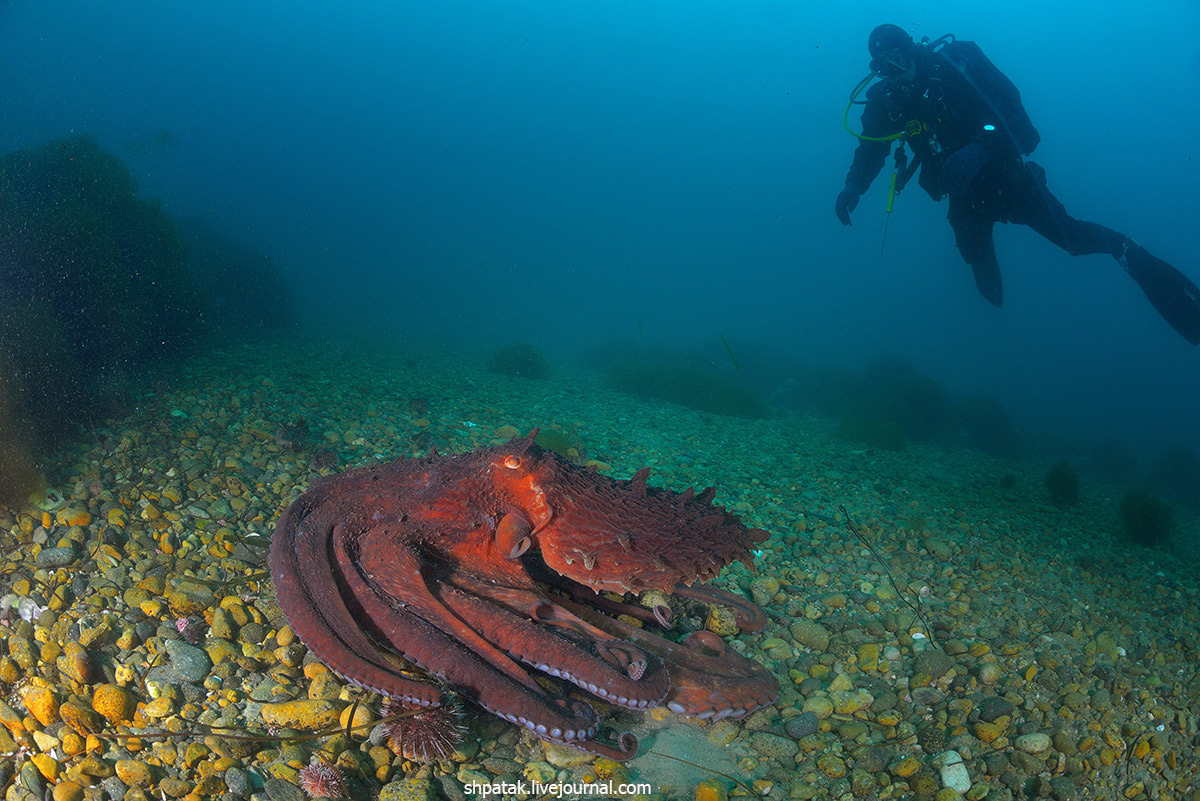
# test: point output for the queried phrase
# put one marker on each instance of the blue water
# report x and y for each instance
(567, 173)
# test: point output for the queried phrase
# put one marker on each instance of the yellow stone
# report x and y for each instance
(187, 603)
(325, 685)
(68, 791)
(1141, 749)
(42, 704)
(840, 683)
(153, 584)
(851, 701)
(306, 714)
(152, 608)
(115, 703)
(711, 790)
(159, 708)
(73, 516)
(47, 766)
(80, 718)
(10, 719)
(987, 732)
(195, 754)
(45, 742)
(868, 656)
(72, 743)
(364, 717)
(721, 620)
(135, 773)
(889, 717)
(907, 766)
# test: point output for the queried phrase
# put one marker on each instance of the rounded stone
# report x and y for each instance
(55, 557)
(711, 790)
(189, 662)
(41, 703)
(802, 725)
(833, 766)
(135, 773)
(1034, 743)
(933, 663)
(114, 703)
(68, 791)
(308, 715)
(819, 705)
(990, 673)
(772, 745)
(810, 634)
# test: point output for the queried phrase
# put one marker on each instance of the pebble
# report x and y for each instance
(135, 773)
(419, 788)
(42, 704)
(810, 634)
(953, 772)
(68, 791)
(190, 663)
(802, 725)
(237, 782)
(564, 756)
(1034, 743)
(114, 703)
(990, 673)
(711, 790)
(55, 557)
(994, 707)
(933, 663)
(114, 788)
(307, 714)
(280, 790)
(774, 746)
(819, 706)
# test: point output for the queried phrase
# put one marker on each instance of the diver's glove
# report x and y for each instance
(847, 199)
(961, 168)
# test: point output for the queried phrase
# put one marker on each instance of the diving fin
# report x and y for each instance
(988, 282)
(1171, 292)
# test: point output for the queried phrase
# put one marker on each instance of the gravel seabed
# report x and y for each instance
(140, 636)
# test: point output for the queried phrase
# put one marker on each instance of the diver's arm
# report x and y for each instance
(869, 157)
(868, 161)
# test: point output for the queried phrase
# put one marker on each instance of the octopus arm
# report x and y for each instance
(309, 588)
(534, 630)
(389, 586)
(707, 680)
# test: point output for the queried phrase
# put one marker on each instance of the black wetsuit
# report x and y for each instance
(954, 114)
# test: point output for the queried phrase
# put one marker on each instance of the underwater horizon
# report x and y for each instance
(363, 368)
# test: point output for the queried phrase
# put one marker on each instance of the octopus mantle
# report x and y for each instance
(488, 568)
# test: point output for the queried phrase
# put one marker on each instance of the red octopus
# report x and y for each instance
(486, 567)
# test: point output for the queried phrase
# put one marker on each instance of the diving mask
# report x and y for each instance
(892, 63)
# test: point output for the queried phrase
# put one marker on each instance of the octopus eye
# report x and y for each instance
(512, 462)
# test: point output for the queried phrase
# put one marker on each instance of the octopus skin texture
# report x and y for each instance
(489, 568)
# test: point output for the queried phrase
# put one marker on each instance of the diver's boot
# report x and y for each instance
(1171, 292)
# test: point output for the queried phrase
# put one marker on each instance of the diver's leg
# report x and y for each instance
(1171, 292)
(973, 235)
(1032, 204)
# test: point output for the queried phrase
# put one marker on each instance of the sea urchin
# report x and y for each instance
(319, 779)
(421, 733)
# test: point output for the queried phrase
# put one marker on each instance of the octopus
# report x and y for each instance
(507, 573)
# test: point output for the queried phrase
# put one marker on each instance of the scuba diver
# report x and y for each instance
(968, 132)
